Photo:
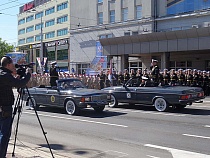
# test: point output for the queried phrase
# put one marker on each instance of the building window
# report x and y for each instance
(21, 41)
(29, 29)
(51, 55)
(138, 12)
(22, 31)
(50, 23)
(62, 19)
(50, 11)
(21, 21)
(100, 18)
(82, 68)
(62, 32)
(135, 32)
(38, 15)
(50, 35)
(38, 38)
(100, 1)
(38, 26)
(62, 54)
(62, 6)
(29, 39)
(29, 18)
(112, 16)
(180, 64)
(127, 33)
(125, 14)
(106, 36)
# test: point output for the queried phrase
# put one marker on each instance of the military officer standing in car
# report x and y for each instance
(155, 72)
(53, 74)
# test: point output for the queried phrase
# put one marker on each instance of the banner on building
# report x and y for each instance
(17, 57)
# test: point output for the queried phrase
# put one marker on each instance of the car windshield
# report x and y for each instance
(71, 84)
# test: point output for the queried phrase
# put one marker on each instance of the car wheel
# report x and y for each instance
(113, 102)
(31, 103)
(99, 109)
(160, 104)
(71, 107)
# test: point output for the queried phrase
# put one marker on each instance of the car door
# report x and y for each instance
(144, 95)
(53, 97)
(40, 95)
(125, 94)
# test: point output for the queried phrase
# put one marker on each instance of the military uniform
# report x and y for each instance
(166, 78)
(102, 78)
(53, 75)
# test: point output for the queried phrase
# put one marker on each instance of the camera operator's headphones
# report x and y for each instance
(6, 60)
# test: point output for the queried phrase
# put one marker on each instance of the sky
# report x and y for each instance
(8, 19)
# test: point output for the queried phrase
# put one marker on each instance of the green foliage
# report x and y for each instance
(5, 48)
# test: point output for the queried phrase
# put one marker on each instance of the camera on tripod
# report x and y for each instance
(21, 69)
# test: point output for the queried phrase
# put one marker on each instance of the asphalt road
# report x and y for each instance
(130, 132)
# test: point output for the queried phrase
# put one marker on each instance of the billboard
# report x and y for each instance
(17, 57)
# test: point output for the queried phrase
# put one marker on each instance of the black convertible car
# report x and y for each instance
(70, 94)
(161, 97)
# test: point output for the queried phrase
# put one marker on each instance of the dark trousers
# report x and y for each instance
(5, 133)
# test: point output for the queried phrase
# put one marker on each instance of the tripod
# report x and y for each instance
(18, 107)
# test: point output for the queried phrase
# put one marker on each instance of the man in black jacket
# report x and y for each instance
(7, 82)
(53, 74)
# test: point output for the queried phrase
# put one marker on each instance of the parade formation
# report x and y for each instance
(188, 77)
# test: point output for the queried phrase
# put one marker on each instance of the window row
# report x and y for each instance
(41, 14)
(47, 35)
(124, 15)
(47, 24)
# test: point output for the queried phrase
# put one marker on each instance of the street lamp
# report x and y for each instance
(41, 40)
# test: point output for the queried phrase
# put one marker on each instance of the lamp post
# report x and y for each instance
(41, 42)
(41, 50)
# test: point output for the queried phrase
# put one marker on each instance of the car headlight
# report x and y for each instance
(85, 99)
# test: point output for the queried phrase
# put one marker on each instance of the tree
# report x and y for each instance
(5, 48)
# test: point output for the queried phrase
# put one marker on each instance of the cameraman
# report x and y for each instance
(7, 82)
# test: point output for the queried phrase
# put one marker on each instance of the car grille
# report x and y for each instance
(97, 98)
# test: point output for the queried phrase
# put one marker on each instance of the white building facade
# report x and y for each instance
(132, 32)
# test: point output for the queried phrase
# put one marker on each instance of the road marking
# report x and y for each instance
(196, 136)
(149, 112)
(88, 121)
(152, 156)
(118, 152)
(176, 153)
(208, 126)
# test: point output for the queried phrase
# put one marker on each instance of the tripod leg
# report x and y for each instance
(44, 133)
(18, 106)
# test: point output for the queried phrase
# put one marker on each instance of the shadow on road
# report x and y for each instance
(84, 112)
(188, 110)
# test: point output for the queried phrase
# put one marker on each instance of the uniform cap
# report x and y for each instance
(53, 63)
(153, 60)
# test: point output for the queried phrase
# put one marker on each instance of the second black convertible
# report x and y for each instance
(161, 97)
(70, 94)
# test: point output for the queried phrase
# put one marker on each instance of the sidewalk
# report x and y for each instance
(27, 150)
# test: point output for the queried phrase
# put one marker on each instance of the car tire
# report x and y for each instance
(71, 108)
(31, 105)
(160, 104)
(99, 109)
(113, 102)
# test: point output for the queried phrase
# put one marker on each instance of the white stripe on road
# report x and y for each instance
(208, 126)
(196, 136)
(67, 118)
(179, 153)
(149, 112)
(152, 156)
